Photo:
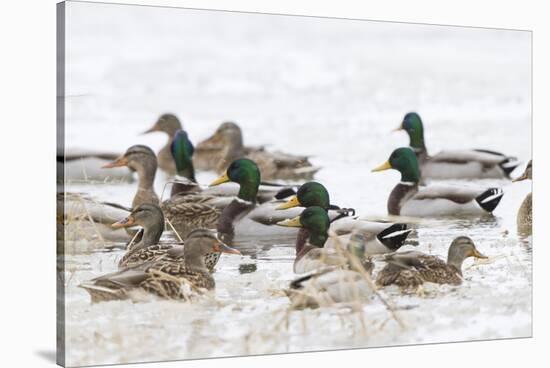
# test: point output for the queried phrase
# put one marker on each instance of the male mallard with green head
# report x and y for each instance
(388, 237)
(243, 216)
(525, 212)
(169, 124)
(181, 279)
(318, 250)
(409, 270)
(455, 164)
(407, 199)
(151, 219)
(226, 145)
(188, 208)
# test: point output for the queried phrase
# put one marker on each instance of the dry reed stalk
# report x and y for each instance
(174, 230)
(359, 268)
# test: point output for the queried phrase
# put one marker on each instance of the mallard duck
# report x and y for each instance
(85, 165)
(190, 206)
(142, 160)
(181, 279)
(226, 145)
(409, 270)
(456, 164)
(169, 124)
(525, 213)
(407, 199)
(148, 248)
(388, 237)
(343, 278)
(318, 249)
(243, 217)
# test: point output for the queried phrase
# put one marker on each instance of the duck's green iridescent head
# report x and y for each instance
(315, 220)
(182, 150)
(403, 160)
(412, 124)
(309, 194)
(244, 172)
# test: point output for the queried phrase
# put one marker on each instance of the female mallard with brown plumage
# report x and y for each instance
(170, 279)
(409, 270)
(169, 124)
(143, 161)
(525, 212)
(148, 248)
(456, 164)
(96, 217)
(226, 145)
(387, 237)
(408, 199)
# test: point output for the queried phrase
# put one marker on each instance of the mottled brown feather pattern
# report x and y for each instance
(187, 213)
(429, 269)
(161, 251)
(163, 278)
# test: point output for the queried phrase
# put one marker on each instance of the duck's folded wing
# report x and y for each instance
(452, 193)
(347, 225)
(126, 278)
(485, 157)
(267, 214)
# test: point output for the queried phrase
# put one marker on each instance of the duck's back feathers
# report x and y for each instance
(328, 286)
(166, 279)
(190, 212)
(469, 164)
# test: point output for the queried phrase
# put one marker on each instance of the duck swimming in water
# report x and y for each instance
(409, 199)
(455, 164)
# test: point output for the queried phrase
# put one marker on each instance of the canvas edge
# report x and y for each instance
(60, 178)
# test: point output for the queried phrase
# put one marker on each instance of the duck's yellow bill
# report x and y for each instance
(400, 127)
(479, 255)
(292, 202)
(125, 222)
(222, 179)
(293, 222)
(122, 161)
(385, 166)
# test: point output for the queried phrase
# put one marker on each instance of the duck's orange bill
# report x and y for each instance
(125, 222)
(121, 161)
(223, 248)
(479, 255)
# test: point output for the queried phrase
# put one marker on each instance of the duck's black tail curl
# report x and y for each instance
(490, 199)
(394, 236)
(509, 165)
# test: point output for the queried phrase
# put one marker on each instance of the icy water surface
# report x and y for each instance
(333, 89)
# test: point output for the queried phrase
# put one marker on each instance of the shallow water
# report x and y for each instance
(333, 89)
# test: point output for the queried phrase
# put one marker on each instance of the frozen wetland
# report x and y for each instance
(333, 89)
